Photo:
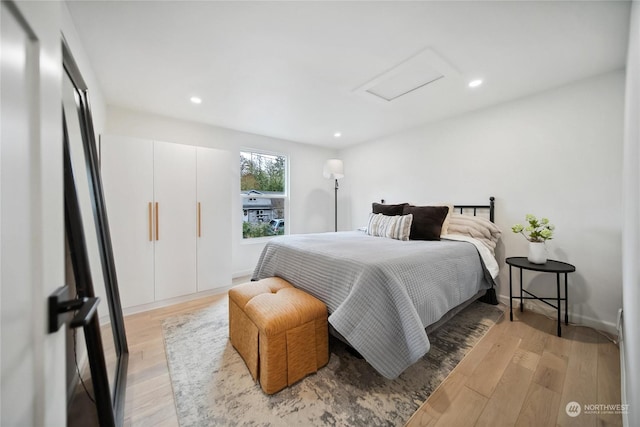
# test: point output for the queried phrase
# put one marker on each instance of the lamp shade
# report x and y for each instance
(333, 169)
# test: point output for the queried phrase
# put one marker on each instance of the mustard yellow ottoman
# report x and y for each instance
(280, 331)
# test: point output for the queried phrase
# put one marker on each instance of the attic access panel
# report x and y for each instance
(416, 72)
(410, 79)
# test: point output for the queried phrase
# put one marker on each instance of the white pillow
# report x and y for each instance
(394, 227)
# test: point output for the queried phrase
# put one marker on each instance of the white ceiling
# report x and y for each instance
(295, 70)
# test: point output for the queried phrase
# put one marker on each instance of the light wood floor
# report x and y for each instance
(149, 396)
(520, 373)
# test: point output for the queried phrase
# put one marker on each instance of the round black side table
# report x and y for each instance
(550, 266)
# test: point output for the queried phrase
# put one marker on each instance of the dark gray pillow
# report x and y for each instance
(427, 221)
(389, 210)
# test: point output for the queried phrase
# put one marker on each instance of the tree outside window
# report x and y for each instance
(263, 180)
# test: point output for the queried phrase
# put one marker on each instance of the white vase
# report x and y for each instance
(537, 253)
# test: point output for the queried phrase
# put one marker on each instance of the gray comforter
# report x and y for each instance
(381, 293)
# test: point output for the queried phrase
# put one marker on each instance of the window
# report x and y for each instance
(263, 189)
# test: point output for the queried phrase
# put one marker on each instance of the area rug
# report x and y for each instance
(212, 386)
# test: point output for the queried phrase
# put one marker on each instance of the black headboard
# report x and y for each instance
(490, 207)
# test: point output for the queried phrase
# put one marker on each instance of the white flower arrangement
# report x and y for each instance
(538, 230)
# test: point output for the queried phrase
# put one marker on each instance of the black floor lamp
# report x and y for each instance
(333, 169)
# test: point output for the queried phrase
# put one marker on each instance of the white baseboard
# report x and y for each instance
(576, 319)
(177, 300)
(237, 278)
(242, 273)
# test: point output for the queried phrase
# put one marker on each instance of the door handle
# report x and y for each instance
(64, 309)
(157, 221)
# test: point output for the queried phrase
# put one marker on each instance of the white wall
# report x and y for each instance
(98, 114)
(311, 196)
(556, 154)
(96, 97)
(631, 227)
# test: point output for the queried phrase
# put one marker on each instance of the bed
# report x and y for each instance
(382, 293)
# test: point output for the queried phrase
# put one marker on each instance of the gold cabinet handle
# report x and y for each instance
(157, 223)
(150, 222)
(199, 220)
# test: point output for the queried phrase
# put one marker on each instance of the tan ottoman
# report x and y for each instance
(281, 332)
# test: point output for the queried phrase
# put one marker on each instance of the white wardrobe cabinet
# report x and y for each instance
(126, 165)
(166, 203)
(174, 196)
(214, 172)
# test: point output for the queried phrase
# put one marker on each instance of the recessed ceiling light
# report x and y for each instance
(196, 100)
(475, 83)
(337, 135)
